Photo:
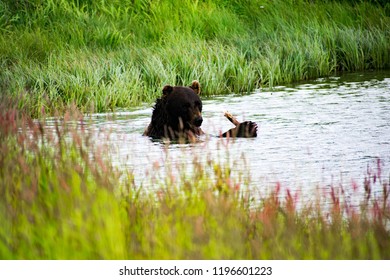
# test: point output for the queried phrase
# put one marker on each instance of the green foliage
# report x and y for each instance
(102, 55)
(60, 198)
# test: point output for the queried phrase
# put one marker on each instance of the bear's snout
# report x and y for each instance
(198, 121)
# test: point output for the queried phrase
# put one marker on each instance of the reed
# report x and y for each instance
(101, 55)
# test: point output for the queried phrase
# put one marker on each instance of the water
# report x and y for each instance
(317, 133)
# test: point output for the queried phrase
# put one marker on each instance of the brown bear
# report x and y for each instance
(178, 115)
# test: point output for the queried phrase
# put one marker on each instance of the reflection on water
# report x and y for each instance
(310, 134)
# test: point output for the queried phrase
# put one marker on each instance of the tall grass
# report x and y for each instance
(60, 198)
(102, 55)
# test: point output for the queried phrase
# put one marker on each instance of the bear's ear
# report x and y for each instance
(167, 90)
(195, 86)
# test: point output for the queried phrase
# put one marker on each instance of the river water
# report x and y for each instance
(317, 133)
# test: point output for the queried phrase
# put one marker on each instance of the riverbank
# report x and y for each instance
(101, 55)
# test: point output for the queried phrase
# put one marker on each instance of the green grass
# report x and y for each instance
(101, 55)
(61, 198)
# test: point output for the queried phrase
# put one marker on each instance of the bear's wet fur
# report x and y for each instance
(177, 114)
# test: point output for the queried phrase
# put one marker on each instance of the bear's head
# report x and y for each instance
(177, 113)
(183, 107)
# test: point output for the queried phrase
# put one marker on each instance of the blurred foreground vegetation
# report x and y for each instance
(61, 198)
